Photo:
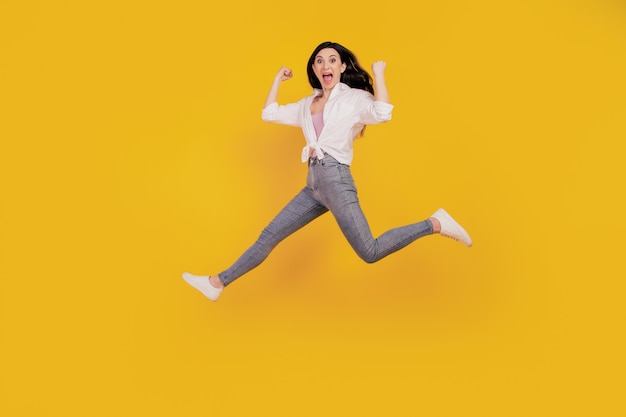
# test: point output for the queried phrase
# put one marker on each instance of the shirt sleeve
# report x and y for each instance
(376, 112)
(288, 114)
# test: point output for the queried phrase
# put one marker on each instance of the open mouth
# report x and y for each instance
(327, 77)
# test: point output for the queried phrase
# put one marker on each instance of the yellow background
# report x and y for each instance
(132, 150)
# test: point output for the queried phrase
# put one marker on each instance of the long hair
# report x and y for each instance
(354, 75)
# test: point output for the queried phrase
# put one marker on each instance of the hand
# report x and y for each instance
(284, 74)
(378, 68)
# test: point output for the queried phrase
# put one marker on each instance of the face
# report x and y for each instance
(328, 67)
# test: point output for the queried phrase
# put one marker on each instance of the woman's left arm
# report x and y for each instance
(377, 109)
(378, 68)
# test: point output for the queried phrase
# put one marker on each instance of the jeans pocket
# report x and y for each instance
(345, 175)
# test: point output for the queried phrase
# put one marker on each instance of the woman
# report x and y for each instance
(340, 107)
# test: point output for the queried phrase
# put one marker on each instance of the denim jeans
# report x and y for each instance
(330, 187)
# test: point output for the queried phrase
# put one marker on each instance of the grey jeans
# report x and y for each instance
(330, 187)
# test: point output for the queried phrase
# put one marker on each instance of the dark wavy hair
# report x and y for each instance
(354, 75)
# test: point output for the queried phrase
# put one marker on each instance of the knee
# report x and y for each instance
(368, 257)
(367, 252)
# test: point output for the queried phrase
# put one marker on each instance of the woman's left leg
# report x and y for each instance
(338, 192)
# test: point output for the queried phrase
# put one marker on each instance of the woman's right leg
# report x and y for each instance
(300, 211)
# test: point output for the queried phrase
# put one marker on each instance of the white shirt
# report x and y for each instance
(346, 112)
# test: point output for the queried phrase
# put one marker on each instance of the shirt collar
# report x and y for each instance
(336, 90)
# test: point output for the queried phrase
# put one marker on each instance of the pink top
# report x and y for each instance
(318, 122)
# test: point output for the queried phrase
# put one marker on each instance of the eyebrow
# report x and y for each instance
(330, 56)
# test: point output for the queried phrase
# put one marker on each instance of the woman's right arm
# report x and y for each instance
(288, 114)
(283, 75)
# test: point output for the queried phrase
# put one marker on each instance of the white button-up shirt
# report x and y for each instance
(346, 112)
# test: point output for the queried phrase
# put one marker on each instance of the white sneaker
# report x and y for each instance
(202, 284)
(450, 228)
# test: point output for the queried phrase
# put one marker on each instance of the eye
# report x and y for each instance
(319, 61)
(333, 60)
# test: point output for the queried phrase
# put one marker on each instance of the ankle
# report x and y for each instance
(216, 281)
(436, 225)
